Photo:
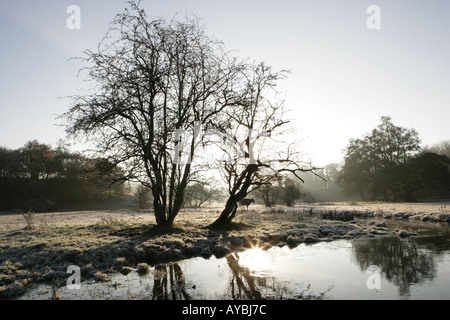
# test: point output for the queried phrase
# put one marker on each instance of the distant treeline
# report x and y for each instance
(389, 164)
(386, 164)
(40, 178)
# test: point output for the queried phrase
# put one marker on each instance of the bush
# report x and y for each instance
(29, 219)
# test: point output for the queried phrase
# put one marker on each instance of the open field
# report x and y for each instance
(101, 242)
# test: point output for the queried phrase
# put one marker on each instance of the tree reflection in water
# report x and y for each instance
(402, 262)
(251, 276)
(169, 283)
(247, 284)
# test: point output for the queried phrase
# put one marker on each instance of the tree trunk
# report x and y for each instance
(266, 195)
(245, 181)
(160, 213)
(227, 214)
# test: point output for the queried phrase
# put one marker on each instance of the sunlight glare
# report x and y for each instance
(255, 259)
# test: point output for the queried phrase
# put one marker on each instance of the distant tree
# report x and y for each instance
(142, 195)
(269, 194)
(197, 194)
(37, 160)
(102, 175)
(10, 165)
(152, 82)
(41, 178)
(372, 163)
(442, 148)
(356, 174)
(428, 171)
(290, 192)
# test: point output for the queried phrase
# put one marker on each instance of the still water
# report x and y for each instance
(386, 268)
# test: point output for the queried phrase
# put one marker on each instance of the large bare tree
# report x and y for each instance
(151, 81)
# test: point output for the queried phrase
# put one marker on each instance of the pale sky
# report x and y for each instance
(344, 77)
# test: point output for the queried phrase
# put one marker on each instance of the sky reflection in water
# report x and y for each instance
(414, 268)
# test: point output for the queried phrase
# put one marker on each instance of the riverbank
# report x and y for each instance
(105, 242)
(415, 211)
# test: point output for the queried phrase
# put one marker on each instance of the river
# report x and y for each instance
(390, 268)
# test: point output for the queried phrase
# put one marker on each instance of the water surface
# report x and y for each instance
(382, 268)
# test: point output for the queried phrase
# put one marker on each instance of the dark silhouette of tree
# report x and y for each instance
(10, 165)
(426, 171)
(251, 141)
(41, 178)
(155, 83)
(37, 160)
(268, 193)
(284, 190)
(290, 192)
(373, 164)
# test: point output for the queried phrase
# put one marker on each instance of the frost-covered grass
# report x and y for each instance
(103, 242)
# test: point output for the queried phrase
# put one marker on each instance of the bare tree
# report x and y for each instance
(142, 196)
(197, 194)
(153, 81)
(290, 192)
(253, 143)
(267, 194)
(442, 147)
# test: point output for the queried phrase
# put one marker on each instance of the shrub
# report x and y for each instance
(29, 220)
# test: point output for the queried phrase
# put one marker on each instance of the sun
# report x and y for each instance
(255, 259)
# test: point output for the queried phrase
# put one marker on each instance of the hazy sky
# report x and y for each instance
(344, 77)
